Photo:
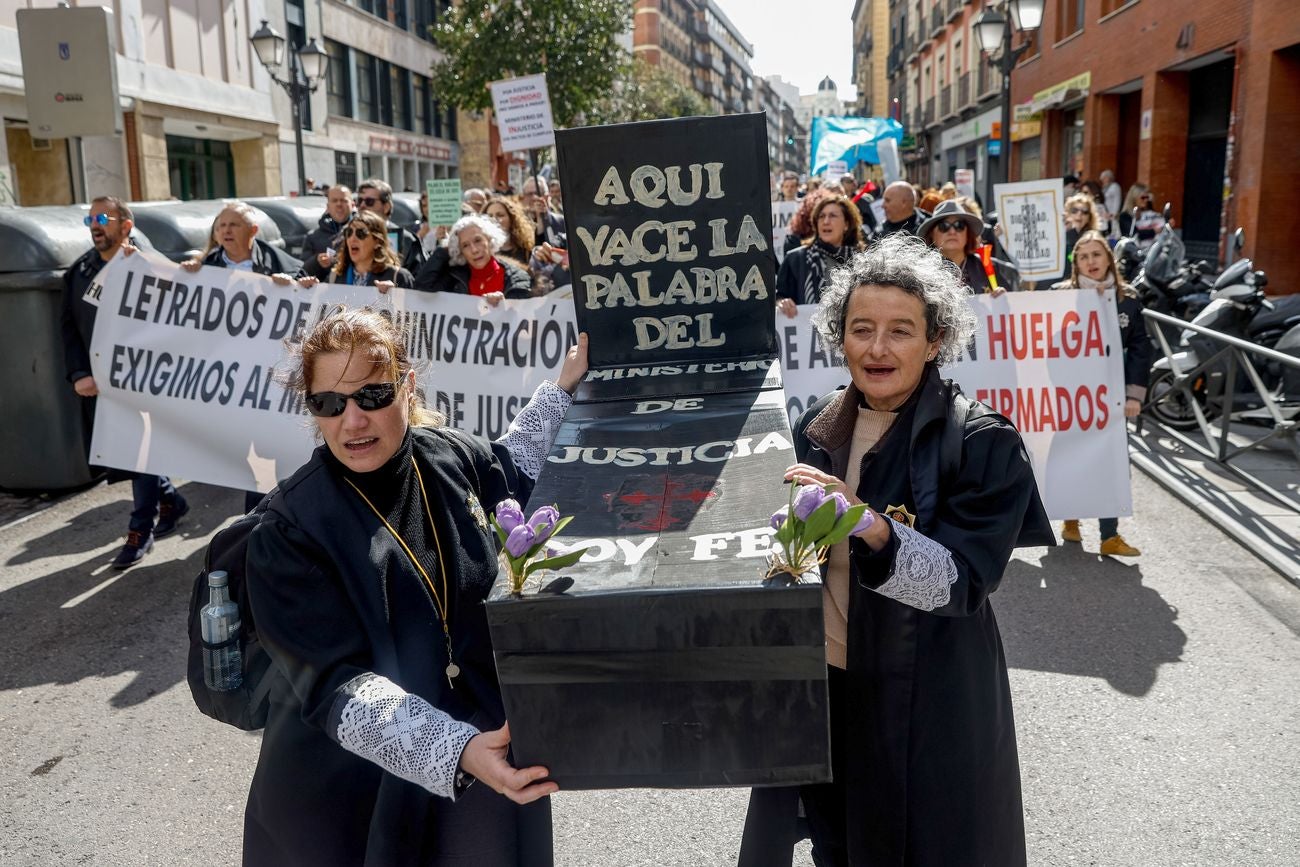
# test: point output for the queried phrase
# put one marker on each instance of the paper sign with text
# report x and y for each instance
(523, 113)
(1031, 212)
(444, 201)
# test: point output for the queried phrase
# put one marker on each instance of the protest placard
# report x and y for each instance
(444, 201)
(523, 113)
(1030, 211)
(782, 213)
(964, 181)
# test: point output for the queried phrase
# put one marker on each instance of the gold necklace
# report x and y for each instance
(439, 601)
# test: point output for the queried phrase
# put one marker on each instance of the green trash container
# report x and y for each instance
(41, 443)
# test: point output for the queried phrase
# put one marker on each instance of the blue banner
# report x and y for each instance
(852, 139)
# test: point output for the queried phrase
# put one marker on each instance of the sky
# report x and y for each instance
(800, 40)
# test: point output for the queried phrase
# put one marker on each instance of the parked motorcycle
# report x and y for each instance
(1239, 309)
(1166, 282)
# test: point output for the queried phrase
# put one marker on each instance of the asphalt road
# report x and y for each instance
(1155, 703)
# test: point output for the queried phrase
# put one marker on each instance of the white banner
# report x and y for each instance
(781, 214)
(185, 366)
(523, 113)
(1031, 213)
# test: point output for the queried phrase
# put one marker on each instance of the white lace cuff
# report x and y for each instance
(530, 435)
(403, 734)
(923, 572)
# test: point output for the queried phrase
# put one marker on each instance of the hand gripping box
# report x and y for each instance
(668, 663)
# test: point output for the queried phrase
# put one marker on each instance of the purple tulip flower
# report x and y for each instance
(807, 499)
(868, 518)
(543, 522)
(521, 538)
(779, 517)
(509, 515)
(841, 504)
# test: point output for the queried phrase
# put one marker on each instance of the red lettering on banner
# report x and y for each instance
(1048, 408)
(1043, 335)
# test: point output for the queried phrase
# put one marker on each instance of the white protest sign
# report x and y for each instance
(782, 212)
(835, 168)
(964, 180)
(185, 364)
(523, 113)
(890, 164)
(1048, 361)
(1030, 211)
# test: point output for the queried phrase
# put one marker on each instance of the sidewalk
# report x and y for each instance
(1261, 511)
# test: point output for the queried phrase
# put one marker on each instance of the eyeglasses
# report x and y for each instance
(954, 226)
(1144, 198)
(358, 232)
(99, 219)
(1079, 211)
(328, 404)
(368, 201)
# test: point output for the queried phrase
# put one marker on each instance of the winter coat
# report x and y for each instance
(337, 603)
(933, 776)
(267, 259)
(324, 237)
(437, 274)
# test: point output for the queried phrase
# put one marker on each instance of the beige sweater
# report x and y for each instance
(870, 429)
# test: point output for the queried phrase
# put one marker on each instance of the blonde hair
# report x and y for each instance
(364, 332)
(1086, 202)
(1092, 236)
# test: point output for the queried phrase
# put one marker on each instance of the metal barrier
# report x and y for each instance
(1234, 354)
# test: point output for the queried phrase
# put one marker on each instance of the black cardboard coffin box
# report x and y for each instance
(669, 663)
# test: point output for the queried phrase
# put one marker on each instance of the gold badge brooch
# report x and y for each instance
(476, 512)
(901, 515)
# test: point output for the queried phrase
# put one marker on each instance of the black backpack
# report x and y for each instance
(244, 708)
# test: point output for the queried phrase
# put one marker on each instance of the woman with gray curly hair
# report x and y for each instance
(469, 264)
(923, 746)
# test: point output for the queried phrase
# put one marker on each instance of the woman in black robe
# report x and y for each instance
(367, 578)
(923, 745)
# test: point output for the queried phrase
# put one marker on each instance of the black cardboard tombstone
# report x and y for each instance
(668, 663)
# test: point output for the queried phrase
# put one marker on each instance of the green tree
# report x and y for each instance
(647, 92)
(575, 42)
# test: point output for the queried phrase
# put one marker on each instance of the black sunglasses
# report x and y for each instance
(358, 232)
(1079, 211)
(368, 201)
(954, 226)
(328, 404)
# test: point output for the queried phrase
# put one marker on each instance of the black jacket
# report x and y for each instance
(437, 274)
(320, 240)
(331, 592)
(267, 259)
(408, 247)
(793, 273)
(77, 317)
(933, 773)
(910, 225)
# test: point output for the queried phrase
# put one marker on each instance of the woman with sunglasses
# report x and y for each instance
(1139, 218)
(387, 740)
(955, 233)
(1080, 216)
(365, 257)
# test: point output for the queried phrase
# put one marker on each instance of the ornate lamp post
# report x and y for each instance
(993, 29)
(307, 68)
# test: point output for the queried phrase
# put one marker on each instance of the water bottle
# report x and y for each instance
(223, 665)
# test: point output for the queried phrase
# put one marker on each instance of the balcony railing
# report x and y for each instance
(927, 117)
(945, 101)
(936, 21)
(954, 9)
(963, 91)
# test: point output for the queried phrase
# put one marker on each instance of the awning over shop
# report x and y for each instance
(1061, 93)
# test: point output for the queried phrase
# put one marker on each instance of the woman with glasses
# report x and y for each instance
(387, 740)
(365, 258)
(836, 235)
(1080, 216)
(1139, 218)
(955, 233)
(469, 264)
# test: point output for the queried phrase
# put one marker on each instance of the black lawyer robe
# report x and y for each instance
(332, 595)
(933, 775)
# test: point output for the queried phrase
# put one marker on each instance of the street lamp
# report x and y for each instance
(994, 31)
(307, 68)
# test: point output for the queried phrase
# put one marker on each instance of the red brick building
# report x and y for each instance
(1199, 99)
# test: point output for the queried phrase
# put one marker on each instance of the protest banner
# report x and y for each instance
(1030, 211)
(782, 212)
(444, 201)
(523, 113)
(185, 364)
(964, 180)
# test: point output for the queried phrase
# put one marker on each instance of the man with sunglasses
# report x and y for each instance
(153, 497)
(376, 196)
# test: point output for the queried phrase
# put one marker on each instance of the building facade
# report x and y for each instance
(871, 51)
(1204, 108)
(948, 97)
(696, 41)
(787, 140)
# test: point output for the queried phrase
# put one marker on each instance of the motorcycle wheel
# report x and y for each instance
(1175, 411)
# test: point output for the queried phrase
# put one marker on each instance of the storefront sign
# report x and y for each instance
(523, 113)
(974, 129)
(402, 147)
(1062, 92)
